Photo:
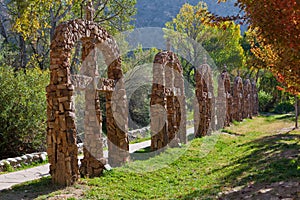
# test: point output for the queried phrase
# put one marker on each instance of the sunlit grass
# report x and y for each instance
(256, 151)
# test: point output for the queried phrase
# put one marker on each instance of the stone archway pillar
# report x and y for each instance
(228, 103)
(247, 103)
(204, 119)
(93, 162)
(61, 130)
(167, 105)
(237, 100)
(158, 109)
(221, 104)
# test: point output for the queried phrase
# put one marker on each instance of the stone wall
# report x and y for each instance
(139, 133)
(24, 160)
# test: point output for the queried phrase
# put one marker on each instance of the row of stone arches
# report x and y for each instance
(242, 99)
(168, 111)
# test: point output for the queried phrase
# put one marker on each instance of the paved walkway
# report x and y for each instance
(10, 179)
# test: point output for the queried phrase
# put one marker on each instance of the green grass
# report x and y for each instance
(254, 152)
(140, 140)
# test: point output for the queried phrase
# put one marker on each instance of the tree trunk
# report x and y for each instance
(296, 111)
(23, 53)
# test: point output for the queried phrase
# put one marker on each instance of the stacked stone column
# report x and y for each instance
(158, 124)
(247, 100)
(203, 112)
(61, 131)
(237, 99)
(93, 162)
(221, 104)
(226, 78)
(169, 82)
(168, 114)
(180, 113)
(117, 118)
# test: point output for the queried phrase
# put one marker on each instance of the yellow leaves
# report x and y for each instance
(276, 58)
(190, 19)
(34, 62)
(32, 18)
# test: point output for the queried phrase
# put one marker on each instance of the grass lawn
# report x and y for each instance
(254, 159)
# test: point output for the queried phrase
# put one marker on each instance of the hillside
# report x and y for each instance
(156, 13)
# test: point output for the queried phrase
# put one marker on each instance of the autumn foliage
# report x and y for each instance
(277, 28)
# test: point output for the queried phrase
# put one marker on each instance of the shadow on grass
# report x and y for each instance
(146, 153)
(229, 132)
(30, 190)
(270, 117)
(269, 168)
(142, 154)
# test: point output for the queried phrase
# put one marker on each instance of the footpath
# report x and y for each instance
(14, 178)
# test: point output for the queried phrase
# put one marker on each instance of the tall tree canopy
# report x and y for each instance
(277, 26)
(32, 23)
(192, 34)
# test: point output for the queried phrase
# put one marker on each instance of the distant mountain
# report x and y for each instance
(155, 13)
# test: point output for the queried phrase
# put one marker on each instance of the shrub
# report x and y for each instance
(265, 99)
(284, 107)
(22, 111)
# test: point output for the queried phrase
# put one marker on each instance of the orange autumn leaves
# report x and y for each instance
(277, 29)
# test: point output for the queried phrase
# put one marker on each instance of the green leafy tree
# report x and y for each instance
(34, 22)
(22, 111)
(138, 67)
(190, 32)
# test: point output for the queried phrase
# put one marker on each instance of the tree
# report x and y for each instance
(34, 22)
(190, 33)
(278, 34)
(277, 37)
(22, 111)
(225, 48)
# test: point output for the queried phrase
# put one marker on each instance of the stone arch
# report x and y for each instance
(237, 99)
(247, 101)
(167, 105)
(204, 120)
(61, 128)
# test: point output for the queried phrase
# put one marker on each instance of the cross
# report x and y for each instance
(89, 10)
(168, 44)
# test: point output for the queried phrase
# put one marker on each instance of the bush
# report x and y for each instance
(139, 103)
(264, 99)
(22, 111)
(284, 107)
